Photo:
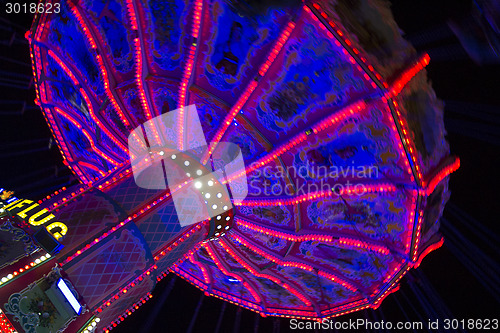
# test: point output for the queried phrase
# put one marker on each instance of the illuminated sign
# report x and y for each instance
(29, 211)
(63, 287)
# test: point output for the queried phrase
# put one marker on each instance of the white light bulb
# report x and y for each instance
(227, 227)
(219, 195)
(228, 218)
(174, 157)
(162, 153)
(197, 184)
(188, 174)
(214, 206)
(219, 217)
(210, 183)
(207, 195)
(219, 226)
(199, 172)
(225, 207)
(186, 163)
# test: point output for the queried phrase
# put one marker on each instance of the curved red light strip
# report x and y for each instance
(202, 268)
(301, 137)
(285, 285)
(128, 312)
(397, 140)
(87, 135)
(5, 325)
(101, 65)
(339, 36)
(85, 188)
(188, 70)
(345, 242)
(443, 173)
(303, 266)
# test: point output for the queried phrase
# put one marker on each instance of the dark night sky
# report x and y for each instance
(473, 186)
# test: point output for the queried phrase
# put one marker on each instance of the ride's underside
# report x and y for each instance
(296, 89)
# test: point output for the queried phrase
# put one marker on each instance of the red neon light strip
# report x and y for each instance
(282, 39)
(36, 59)
(138, 77)
(283, 235)
(216, 293)
(128, 312)
(428, 250)
(91, 166)
(344, 242)
(168, 248)
(301, 137)
(202, 268)
(276, 312)
(286, 263)
(274, 279)
(101, 65)
(443, 173)
(87, 135)
(412, 221)
(132, 16)
(406, 137)
(388, 291)
(402, 152)
(340, 37)
(138, 213)
(363, 245)
(125, 289)
(5, 324)
(188, 70)
(98, 122)
(417, 235)
(316, 195)
(62, 145)
(224, 271)
(406, 77)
